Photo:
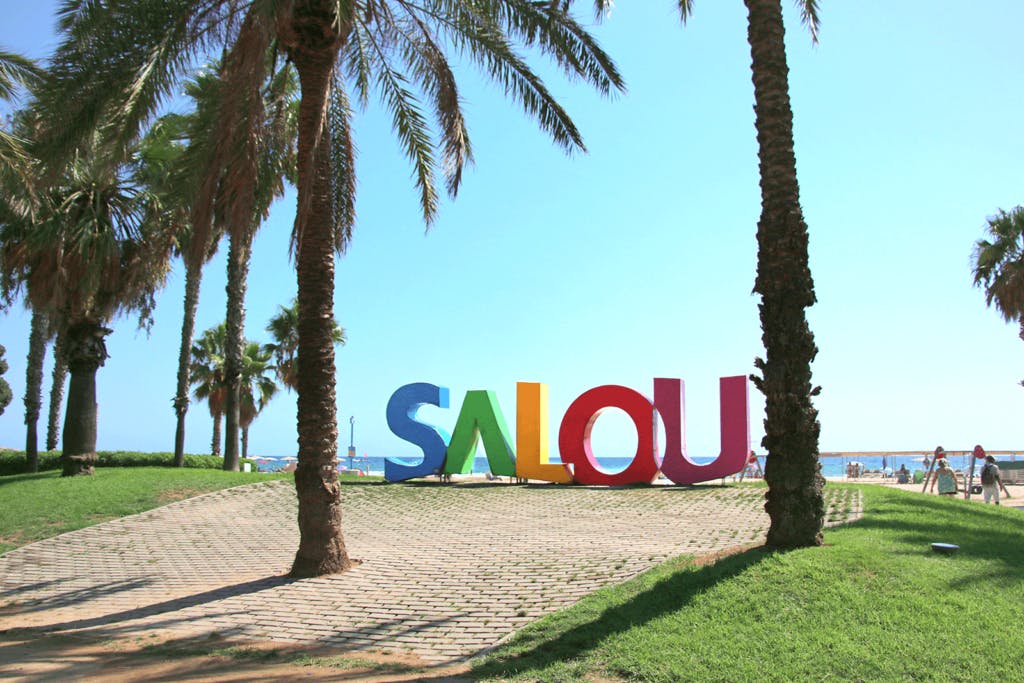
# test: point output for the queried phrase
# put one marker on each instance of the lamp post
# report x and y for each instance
(351, 440)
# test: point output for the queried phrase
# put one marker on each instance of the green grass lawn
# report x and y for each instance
(37, 506)
(874, 604)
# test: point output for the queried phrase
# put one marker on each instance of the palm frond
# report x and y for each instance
(552, 27)
(343, 164)
(809, 17)
(115, 65)
(999, 264)
(17, 71)
(426, 60)
(490, 48)
(407, 121)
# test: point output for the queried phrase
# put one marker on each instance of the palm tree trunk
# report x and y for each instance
(234, 341)
(193, 278)
(215, 442)
(245, 442)
(34, 386)
(60, 377)
(793, 473)
(86, 352)
(321, 546)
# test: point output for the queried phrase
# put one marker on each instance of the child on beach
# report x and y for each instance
(945, 478)
(991, 482)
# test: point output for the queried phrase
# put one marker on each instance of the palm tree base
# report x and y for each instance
(78, 465)
(796, 509)
(321, 545)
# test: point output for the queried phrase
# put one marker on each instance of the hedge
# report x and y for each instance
(13, 462)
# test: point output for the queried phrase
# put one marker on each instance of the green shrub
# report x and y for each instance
(13, 462)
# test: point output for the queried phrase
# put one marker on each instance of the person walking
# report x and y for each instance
(991, 482)
(945, 478)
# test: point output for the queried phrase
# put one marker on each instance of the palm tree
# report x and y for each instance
(793, 473)
(95, 252)
(999, 265)
(57, 381)
(118, 59)
(37, 341)
(273, 161)
(178, 149)
(207, 375)
(257, 389)
(17, 72)
(284, 328)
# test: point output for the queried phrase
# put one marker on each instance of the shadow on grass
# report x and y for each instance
(19, 478)
(983, 532)
(546, 643)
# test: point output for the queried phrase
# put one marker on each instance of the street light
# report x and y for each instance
(351, 441)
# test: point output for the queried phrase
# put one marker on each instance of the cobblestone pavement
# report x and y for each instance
(446, 571)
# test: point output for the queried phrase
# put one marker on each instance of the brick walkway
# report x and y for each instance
(447, 571)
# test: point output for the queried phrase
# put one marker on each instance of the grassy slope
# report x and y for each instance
(874, 604)
(36, 506)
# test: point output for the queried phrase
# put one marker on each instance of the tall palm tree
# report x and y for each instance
(38, 337)
(999, 265)
(207, 375)
(95, 252)
(794, 500)
(178, 149)
(57, 382)
(257, 388)
(273, 161)
(284, 328)
(118, 59)
(18, 72)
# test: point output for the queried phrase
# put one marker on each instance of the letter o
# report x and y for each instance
(578, 422)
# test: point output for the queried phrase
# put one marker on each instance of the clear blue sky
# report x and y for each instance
(637, 260)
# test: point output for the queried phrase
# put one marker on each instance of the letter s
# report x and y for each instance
(401, 416)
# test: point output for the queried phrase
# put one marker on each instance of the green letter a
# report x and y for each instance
(480, 418)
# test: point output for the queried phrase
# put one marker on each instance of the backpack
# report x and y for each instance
(989, 474)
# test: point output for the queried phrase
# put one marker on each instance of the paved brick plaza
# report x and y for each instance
(447, 571)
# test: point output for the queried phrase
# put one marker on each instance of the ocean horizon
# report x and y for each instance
(831, 466)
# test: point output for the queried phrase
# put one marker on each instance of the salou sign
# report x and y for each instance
(481, 419)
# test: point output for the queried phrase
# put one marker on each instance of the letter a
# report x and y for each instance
(480, 418)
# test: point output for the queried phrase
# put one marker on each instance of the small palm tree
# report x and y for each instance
(257, 388)
(5, 389)
(207, 376)
(284, 328)
(999, 265)
(96, 250)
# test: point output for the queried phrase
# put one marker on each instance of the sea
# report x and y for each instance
(831, 466)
